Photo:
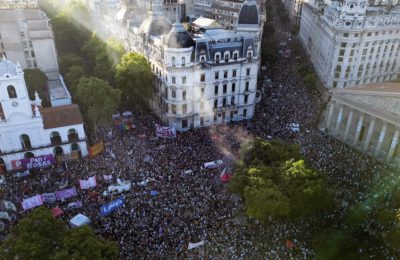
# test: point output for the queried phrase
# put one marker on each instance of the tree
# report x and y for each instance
(36, 81)
(97, 100)
(310, 80)
(274, 180)
(75, 73)
(35, 237)
(81, 243)
(135, 79)
(68, 60)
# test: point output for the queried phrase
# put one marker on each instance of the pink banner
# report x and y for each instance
(32, 202)
(66, 194)
(165, 132)
(87, 184)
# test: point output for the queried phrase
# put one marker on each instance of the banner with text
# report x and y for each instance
(110, 207)
(96, 149)
(66, 194)
(32, 202)
(87, 184)
(165, 132)
(33, 163)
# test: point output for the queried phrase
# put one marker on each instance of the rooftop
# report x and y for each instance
(377, 88)
(60, 116)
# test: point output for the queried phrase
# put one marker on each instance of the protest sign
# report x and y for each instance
(66, 194)
(165, 132)
(87, 184)
(48, 198)
(110, 207)
(32, 202)
(38, 162)
(96, 149)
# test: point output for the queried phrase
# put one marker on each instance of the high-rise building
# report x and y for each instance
(26, 37)
(351, 43)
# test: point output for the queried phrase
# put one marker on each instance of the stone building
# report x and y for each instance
(206, 75)
(367, 118)
(26, 37)
(351, 43)
(27, 130)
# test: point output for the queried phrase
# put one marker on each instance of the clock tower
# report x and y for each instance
(14, 96)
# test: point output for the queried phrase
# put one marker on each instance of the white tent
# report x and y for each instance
(79, 220)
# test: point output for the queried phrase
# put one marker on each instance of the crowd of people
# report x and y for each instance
(191, 204)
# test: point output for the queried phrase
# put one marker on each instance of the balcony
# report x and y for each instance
(225, 108)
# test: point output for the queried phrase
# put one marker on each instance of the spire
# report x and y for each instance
(37, 101)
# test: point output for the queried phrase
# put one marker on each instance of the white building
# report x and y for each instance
(350, 43)
(293, 8)
(27, 130)
(26, 37)
(205, 76)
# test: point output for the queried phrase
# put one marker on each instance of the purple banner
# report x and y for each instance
(66, 194)
(35, 162)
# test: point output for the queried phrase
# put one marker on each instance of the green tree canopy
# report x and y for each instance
(81, 243)
(67, 60)
(135, 79)
(75, 73)
(97, 100)
(275, 182)
(36, 81)
(35, 237)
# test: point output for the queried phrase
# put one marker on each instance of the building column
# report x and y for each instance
(330, 113)
(380, 140)
(338, 120)
(348, 124)
(393, 146)
(358, 129)
(369, 134)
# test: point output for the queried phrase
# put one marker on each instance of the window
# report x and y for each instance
(217, 57)
(173, 61)
(173, 109)
(73, 135)
(11, 92)
(216, 75)
(184, 123)
(25, 142)
(233, 73)
(184, 95)
(25, 44)
(224, 102)
(202, 92)
(247, 86)
(215, 103)
(216, 90)
(201, 121)
(233, 87)
(248, 72)
(249, 55)
(183, 62)
(341, 52)
(173, 80)
(30, 44)
(183, 80)
(173, 94)
(225, 74)
(215, 118)
(244, 112)
(232, 100)
(226, 57)
(22, 34)
(235, 56)
(34, 64)
(55, 138)
(202, 77)
(246, 98)
(184, 109)
(224, 88)
(33, 54)
(202, 59)
(345, 35)
(26, 54)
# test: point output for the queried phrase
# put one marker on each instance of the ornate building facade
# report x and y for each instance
(351, 43)
(27, 130)
(206, 75)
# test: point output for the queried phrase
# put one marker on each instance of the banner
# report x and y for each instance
(126, 126)
(165, 132)
(66, 194)
(33, 163)
(32, 202)
(194, 245)
(110, 207)
(9, 205)
(87, 184)
(96, 149)
(107, 177)
(75, 205)
(49, 198)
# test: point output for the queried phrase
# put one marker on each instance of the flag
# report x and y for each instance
(87, 184)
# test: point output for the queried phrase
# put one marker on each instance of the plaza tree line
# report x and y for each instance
(99, 73)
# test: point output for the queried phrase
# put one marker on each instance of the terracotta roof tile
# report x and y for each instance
(60, 116)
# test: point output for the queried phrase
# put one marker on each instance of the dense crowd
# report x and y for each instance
(191, 203)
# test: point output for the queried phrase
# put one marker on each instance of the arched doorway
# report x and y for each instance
(72, 135)
(29, 155)
(76, 149)
(58, 151)
(2, 166)
(25, 142)
(55, 138)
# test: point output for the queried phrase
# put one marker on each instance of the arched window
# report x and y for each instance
(55, 138)
(76, 149)
(29, 155)
(58, 151)
(173, 61)
(11, 92)
(25, 142)
(72, 135)
(183, 62)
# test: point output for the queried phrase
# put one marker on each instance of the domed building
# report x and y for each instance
(156, 24)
